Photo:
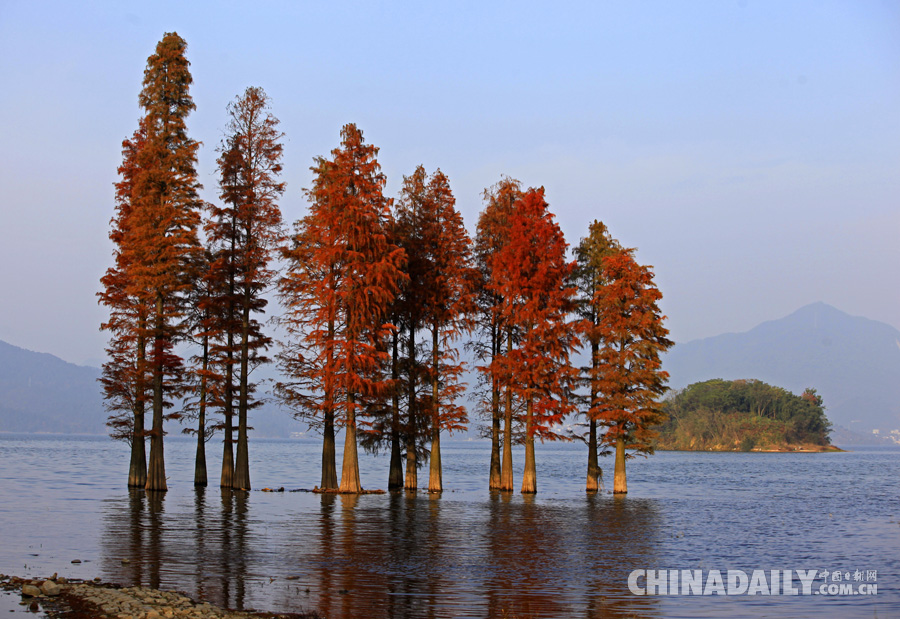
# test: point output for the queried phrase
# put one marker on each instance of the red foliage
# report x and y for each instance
(160, 243)
(124, 373)
(342, 277)
(530, 276)
(492, 234)
(441, 289)
(629, 377)
(244, 233)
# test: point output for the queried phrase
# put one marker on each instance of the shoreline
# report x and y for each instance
(58, 597)
(767, 449)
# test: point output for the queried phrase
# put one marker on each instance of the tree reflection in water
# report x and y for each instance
(399, 555)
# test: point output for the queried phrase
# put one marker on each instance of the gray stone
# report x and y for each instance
(30, 591)
(50, 588)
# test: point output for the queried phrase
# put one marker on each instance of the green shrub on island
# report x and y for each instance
(743, 415)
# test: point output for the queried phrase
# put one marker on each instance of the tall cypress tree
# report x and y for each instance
(123, 378)
(492, 235)
(250, 166)
(161, 242)
(441, 297)
(530, 275)
(589, 254)
(342, 278)
(629, 380)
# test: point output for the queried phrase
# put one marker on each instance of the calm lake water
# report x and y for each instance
(467, 553)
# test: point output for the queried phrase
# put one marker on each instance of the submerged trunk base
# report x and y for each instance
(620, 486)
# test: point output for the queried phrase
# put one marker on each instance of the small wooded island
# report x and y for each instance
(744, 415)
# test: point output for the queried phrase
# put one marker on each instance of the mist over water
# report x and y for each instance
(465, 553)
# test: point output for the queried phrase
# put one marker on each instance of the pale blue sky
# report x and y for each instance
(749, 150)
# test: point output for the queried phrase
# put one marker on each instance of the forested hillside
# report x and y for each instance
(854, 363)
(722, 415)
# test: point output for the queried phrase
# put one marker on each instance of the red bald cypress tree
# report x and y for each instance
(492, 235)
(440, 296)
(589, 278)
(160, 243)
(308, 293)
(346, 275)
(248, 230)
(123, 376)
(530, 275)
(629, 378)
(409, 229)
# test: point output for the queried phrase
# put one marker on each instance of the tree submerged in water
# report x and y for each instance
(531, 278)
(246, 231)
(495, 336)
(360, 283)
(157, 244)
(589, 277)
(628, 379)
(342, 278)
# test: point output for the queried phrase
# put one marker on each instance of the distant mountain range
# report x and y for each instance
(853, 362)
(43, 393)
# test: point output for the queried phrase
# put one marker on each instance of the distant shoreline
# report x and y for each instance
(768, 449)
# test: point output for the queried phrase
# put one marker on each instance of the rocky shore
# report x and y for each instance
(58, 597)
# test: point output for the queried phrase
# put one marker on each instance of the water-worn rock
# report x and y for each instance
(48, 587)
(30, 591)
(95, 599)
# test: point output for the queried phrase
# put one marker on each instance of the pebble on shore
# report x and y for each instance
(105, 601)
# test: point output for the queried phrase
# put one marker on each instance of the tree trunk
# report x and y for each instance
(529, 476)
(227, 480)
(494, 481)
(156, 472)
(593, 468)
(137, 470)
(329, 468)
(350, 469)
(200, 479)
(412, 464)
(200, 461)
(227, 454)
(506, 470)
(435, 483)
(620, 486)
(228, 446)
(395, 474)
(242, 464)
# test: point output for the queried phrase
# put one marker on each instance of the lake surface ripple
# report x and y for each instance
(467, 552)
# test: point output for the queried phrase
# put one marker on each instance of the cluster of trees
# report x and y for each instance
(742, 414)
(168, 286)
(378, 297)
